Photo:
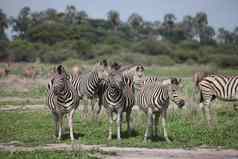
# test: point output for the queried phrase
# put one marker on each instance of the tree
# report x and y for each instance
(209, 33)
(235, 33)
(70, 14)
(3, 25)
(201, 22)
(188, 26)
(224, 36)
(114, 18)
(135, 21)
(22, 23)
(169, 20)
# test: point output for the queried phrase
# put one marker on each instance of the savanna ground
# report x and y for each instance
(25, 122)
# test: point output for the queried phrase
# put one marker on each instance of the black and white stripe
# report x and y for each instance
(118, 98)
(217, 86)
(153, 98)
(62, 99)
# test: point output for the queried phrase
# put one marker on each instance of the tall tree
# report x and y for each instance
(224, 36)
(22, 22)
(168, 25)
(114, 18)
(135, 21)
(235, 33)
(188, 26)
(70, 14)
(201, 22)
(3, 25)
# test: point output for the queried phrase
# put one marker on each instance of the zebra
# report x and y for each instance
(215, 86)
(62, 100)
(153, 98)
(118, 98)
(90, 85)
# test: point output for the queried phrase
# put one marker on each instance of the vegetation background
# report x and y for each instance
(50, 36)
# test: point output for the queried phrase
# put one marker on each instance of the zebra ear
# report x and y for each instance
(60, 69)
(140, 67)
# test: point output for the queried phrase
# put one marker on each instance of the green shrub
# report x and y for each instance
(22, 50)
(153, 47)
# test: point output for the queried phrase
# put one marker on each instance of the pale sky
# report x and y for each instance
(221, 13)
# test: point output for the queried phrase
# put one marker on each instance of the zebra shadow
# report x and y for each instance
(159, 138)
(66, 136)
(126, 135)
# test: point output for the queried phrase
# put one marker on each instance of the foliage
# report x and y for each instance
(54, 36)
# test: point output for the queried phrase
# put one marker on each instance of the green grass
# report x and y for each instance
(44, 155)
(34, 92)
(184, 129)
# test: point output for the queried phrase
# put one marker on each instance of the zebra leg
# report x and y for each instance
(71, 115)
(153, 124)
(60, 125)
(56, 120)
(110, 116)
(119, 115)
(157, 114)
(164, 116)
(149, 124)
(128, 117)
(99, 105)
(207, 110)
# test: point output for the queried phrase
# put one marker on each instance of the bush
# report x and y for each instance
(153, 47)
(22, 50)
(224, 60)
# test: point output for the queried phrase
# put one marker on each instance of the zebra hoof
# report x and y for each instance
(168, 140)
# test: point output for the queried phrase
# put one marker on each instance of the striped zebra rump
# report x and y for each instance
(219, 86)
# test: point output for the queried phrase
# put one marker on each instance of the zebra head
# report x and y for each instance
(174, 91)
(139, 71)
(102, 70)
(60, 80)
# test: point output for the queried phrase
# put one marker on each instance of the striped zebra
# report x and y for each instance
(118, 98)
(217, 86)
(62, 100)
(154, 98)
(89, 86)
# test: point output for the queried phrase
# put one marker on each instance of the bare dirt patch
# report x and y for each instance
(132, 153)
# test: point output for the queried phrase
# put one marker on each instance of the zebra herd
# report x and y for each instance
(119, 89)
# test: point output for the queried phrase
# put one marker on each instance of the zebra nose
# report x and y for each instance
(181, 103)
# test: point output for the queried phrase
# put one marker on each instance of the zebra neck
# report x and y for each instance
(94, 79)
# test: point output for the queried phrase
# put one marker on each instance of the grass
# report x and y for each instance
(44, 154)
(34, 92)
(184, 70)
(184, 129)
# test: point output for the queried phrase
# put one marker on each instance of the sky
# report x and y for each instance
(221, 13)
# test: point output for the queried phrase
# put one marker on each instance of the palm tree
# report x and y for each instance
(70, 14)
(200, 22)
(114, 18)
(168, 25)
(188, 26)
(169, 19)
(135, 21)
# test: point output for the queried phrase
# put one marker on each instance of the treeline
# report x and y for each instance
(51, 36)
